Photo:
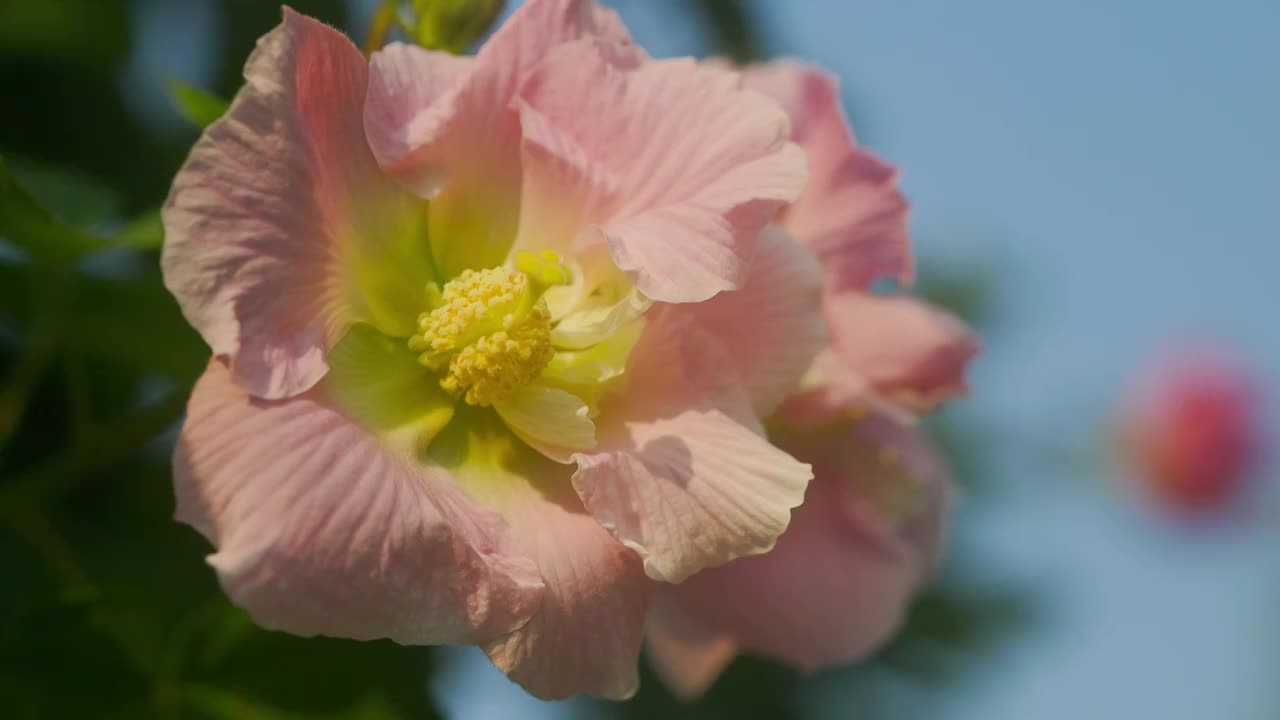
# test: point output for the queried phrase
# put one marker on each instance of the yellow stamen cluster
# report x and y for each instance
(490, 330)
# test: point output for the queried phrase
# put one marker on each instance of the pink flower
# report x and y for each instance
(474, 380)
(1192, 432)
(836, 585)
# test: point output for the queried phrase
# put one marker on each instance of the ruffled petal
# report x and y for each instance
(279, 229)
(851, 212)
(586, 634)
(902, 348)
(836, 586)
(833, 393)
(586, 637)
(677, 164)
(771, 329)
(447, 127)
(682, 473)
(319, 530)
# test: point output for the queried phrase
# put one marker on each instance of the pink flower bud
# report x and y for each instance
(1191, 430)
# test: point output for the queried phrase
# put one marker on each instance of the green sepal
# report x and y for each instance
(453, 25)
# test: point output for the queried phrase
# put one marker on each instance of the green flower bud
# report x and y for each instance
(452, 25)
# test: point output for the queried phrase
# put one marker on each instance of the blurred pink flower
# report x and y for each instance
(434, 285)
(1191, 430)
(836, 585)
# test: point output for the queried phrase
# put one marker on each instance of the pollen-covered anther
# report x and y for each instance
(491, 331)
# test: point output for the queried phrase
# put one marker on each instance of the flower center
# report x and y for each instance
(489, 331)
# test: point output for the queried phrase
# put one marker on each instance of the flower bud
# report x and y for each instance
(452, 25)
(1191, 430)
(449, 25)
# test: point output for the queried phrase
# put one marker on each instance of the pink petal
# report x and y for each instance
(277, 202)
(319, 530)
(681, 473)
(686, 654)
(413, 93)
(840, 394)
(851, 212)
(772, 328)
(904, 349)
(448, 126)
(431, 116)
(587, 631)
(836, 586)
(678, 164)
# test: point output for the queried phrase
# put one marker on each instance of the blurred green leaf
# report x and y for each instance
(135, 324)
(966, 292)
(145, 232)
(55, 665)
(15, 303)
(45, 211)
(159, 632)
(68, 195)
(217, 704)
(30, 227)
(948, 624)
(285, 668)
(82, 30)
(199, 107)
(733, 26)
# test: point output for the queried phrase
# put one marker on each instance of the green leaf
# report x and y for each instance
(219, 704)
(199, 107)
(952, 622)
(45, 210)
(34, 229)
(136, 324)
(733, 25)
(89, 31)
(145, 232)
(68, 194)
(15, 303)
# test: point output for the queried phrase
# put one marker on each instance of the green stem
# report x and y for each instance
(380, 26)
